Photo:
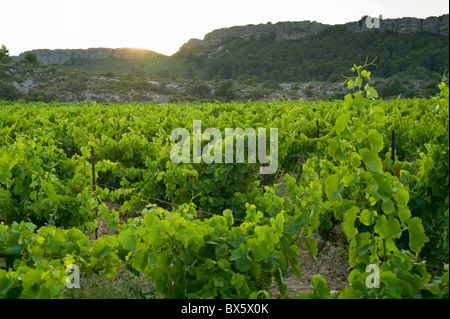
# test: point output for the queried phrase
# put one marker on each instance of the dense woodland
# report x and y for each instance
(325, 56)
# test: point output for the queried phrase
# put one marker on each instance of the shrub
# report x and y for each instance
(8, 91)
(226, 89)
(199, 88)
(39, 96)
(76, 86)
(256, 94)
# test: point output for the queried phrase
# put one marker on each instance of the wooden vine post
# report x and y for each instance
(263, 158)
(94, 187)
(393, 147)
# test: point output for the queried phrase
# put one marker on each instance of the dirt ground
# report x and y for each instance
(331, 263)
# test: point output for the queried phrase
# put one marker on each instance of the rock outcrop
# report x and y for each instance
(435, 25)
(65, 56)
(279, 31)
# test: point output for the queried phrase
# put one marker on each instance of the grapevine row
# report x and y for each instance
(394, 215)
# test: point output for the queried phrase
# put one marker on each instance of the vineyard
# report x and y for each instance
(376, 169)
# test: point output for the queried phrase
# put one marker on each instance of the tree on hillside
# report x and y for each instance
(30, 58)
(4, 53)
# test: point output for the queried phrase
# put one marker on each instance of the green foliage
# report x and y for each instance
(319, 289)
(325, 56)
(38, 183)
(184, 256)
(392, 218)
(430, 195)
(39, 96)
(217, 232)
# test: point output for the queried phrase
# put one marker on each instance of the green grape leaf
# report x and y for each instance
(417, 237)
(378, 114)
(371, 159)
(367, 217)
(332, 187)
(260, 249)
(388, 227)
(311, 246)
(128, 239)
(388, 207)
(101, 249)
(319, 287)
(335, 150)
(30, 281)
(355, 159)
(348, 101)
(404, 213)
(240, 284)
(384, 189)
(239, 256)
(370, 91)
(5, 283)
(13, 249)
(333, 147)
(389, 279)
(350, 84)
(366, 74)
(349, 222)
(341, 123)
(375, 140)
(350, 293)
(359, 249)
(140, 260)
(359, 102)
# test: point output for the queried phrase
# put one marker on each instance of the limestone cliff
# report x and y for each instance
(279, 31)
(64, 56)
(435, 25)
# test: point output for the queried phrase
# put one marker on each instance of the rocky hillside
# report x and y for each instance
(20, 80)
(283, 31)
(287, 60)
(68, 56)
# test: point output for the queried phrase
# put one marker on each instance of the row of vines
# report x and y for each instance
(393, 211)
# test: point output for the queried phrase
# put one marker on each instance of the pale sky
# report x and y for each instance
(164, 26)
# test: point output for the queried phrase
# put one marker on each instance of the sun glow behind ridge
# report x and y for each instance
(163, 26)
